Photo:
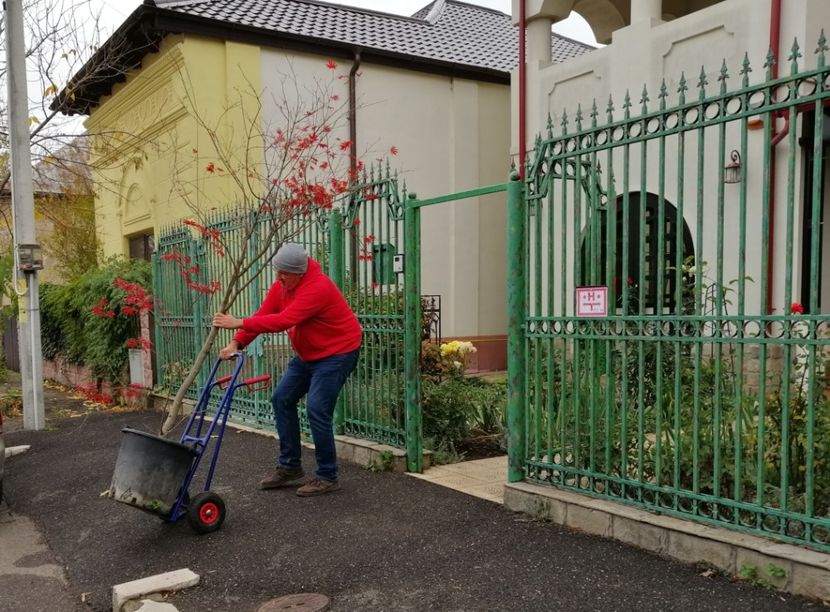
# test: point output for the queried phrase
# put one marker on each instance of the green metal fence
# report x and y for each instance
(702, 390)
(358, 244)
(184, 260)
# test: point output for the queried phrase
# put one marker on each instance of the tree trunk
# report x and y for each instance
(176, 408)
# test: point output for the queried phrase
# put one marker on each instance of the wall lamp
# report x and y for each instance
(732, 171)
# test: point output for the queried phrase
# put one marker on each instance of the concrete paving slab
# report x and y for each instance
(159, 583)
(149, 605)
(484, 478)
(12, 451)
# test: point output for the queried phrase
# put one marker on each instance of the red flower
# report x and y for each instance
(331, 64)
(101, 310)
(797, 308)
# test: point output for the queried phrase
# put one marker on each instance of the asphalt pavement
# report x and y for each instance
(384, 542)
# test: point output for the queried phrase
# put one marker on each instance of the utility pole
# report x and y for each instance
(27, 255)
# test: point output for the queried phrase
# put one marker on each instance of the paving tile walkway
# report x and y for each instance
(482, 478)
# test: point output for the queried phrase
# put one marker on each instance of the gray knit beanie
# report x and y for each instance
(292, 258)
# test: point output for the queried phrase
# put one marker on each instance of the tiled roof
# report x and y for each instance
(446, 36)
(457, 33)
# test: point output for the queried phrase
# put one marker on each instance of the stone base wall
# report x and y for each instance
(73, 375)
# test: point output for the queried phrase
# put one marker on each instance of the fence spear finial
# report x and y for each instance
(702, 82)
(723, 76)
(795, 54)
(682, 88)
(644, 99)
(746, 68)
(822, 48)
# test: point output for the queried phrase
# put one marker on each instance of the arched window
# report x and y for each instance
(647, 242)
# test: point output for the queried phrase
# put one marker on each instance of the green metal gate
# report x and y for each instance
(664, 352)
(370, 244)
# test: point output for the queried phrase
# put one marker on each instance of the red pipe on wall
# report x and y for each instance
(775, 47)
(522, 87)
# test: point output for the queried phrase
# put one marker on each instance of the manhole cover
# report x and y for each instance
(299, 602)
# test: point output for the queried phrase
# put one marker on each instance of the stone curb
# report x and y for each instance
(11, 451)
(795, 569)
(160, 583)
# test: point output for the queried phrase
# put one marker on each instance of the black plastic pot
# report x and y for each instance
(150, 471)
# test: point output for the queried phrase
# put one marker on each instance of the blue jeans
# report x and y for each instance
(322, 380)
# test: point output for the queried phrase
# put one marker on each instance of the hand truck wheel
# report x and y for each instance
(206, 512)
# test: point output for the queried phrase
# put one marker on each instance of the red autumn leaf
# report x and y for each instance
(393, 150)
(797, 308)
(331, 64)
(211, 168)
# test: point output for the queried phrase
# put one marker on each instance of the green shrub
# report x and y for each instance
(456, 407)
(71, 329)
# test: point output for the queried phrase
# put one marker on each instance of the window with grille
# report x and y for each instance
(141, 247)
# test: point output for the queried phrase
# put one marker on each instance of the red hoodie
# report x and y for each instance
(315, 314)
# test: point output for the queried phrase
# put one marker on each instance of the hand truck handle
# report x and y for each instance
(265, 379)
(223, 382)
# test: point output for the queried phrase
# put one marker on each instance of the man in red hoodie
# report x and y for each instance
(326, 336)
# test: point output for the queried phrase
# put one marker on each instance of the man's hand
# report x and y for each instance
(226, 321)
(228, 351)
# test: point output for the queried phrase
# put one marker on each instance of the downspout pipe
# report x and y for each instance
(353, 115)
(522, 87)
(353, 171)
(775, 48)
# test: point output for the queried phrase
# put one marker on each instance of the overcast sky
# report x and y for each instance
(115, 11)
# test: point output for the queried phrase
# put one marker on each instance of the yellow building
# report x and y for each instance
(435, 86)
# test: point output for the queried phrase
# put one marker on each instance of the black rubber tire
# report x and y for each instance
(206, 512)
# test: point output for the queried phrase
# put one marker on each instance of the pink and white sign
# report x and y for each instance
(592, 301)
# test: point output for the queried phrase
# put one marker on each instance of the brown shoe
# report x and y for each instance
(281, 477)
(317, 487)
